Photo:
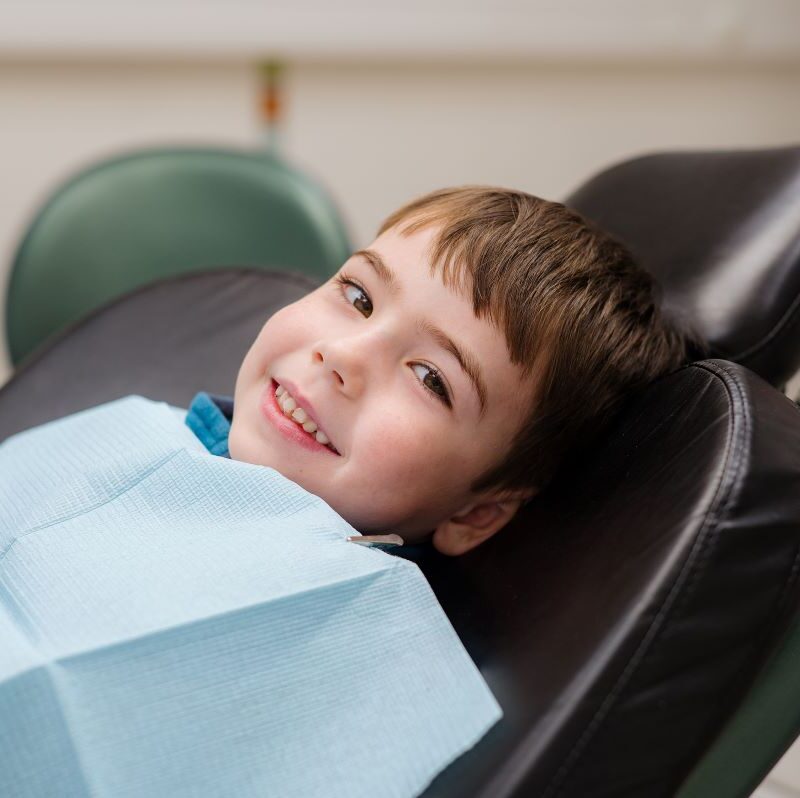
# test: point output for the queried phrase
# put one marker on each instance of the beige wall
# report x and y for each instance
(380, 135)
(376, 135)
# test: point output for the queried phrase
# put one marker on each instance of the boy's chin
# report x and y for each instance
(243, 446)
(234, 449)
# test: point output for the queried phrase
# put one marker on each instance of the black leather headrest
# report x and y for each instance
(621, 615)
(721, 232)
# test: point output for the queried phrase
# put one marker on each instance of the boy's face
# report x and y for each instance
(364, 361)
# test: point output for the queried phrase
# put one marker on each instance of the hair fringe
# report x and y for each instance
(580, 317)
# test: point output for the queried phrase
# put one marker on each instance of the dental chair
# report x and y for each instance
(638, 622)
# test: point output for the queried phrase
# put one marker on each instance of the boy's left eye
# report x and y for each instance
(355, 295)
(434, 383)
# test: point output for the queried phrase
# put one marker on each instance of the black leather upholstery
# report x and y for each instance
(617, 621)
(722, 234)
(165, 341)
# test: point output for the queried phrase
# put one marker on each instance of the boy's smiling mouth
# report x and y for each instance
(283, 409)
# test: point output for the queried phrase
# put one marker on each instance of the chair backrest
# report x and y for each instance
(132, 219)
(721, 232)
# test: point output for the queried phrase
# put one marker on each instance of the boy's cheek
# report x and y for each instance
(398, 462)
(281, 332)
(290, 328)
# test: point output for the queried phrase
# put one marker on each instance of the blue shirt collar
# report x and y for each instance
(209, 418)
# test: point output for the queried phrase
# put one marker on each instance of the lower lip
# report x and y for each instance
(289, 429)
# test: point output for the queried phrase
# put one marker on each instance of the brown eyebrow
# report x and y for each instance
(467, 361)
(385, 274)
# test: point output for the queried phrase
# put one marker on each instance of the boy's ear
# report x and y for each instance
(475, 523)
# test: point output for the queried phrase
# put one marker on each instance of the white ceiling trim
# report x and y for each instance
(438, 30)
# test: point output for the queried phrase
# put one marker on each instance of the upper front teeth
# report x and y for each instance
(291, 410)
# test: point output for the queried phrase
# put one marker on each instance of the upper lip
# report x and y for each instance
(304, 402)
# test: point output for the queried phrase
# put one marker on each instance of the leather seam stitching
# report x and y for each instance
(789, 315)
(706, 547)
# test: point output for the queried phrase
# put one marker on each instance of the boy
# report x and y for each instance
(207, 623)
(434, 384)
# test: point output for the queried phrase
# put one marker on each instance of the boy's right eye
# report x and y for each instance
(354, 294)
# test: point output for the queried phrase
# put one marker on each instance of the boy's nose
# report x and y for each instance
(345, 368)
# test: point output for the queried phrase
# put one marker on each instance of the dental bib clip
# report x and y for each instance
(377, 541)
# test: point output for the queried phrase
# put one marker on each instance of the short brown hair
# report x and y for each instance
(577, 312)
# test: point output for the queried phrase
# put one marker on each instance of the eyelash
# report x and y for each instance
(342, 280)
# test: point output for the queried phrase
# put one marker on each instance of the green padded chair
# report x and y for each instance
(137, 218)
(760, 732)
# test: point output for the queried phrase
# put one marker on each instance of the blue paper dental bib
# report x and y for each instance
(177, 624)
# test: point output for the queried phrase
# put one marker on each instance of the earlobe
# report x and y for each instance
(472, 526)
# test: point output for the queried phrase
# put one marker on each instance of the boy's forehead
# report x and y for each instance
(403, 256)
(407, 250)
